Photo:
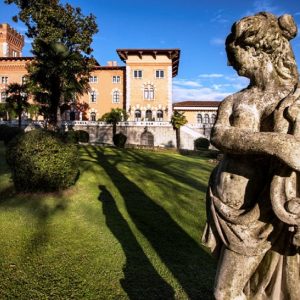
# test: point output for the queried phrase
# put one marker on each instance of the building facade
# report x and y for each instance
(143, 86)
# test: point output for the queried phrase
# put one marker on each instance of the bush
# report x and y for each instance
(119, 140)
(40, 161)
(74, 137)
(83, 136)
(70, 137)
(7, 133)
(201, 143)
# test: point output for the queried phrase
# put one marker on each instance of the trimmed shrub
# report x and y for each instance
(201, 143)
(75, 136)
(119, 140)
(40, 161)
(83, 136)
(70, 137)
(7, 133)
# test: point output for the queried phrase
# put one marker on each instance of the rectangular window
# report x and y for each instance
(4, 79)
(93, 79)
(137, 73)
(3, 96)
(93, 96)
(116, 79)
(160, 74)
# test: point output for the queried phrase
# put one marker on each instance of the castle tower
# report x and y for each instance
(11, 42)
(149, 74)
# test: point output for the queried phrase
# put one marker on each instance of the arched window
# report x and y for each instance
(160, 115)
(93, 116)
(148, 92)
(116, 97)
(206, 119)
(137, 115)
(199, 118)
(148, 115)
(213, 118)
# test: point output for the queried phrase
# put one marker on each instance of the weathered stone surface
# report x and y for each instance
(253, 204)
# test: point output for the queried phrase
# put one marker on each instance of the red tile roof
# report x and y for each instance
(197, 104)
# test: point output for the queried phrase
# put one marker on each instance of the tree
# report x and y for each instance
(62, 63)
(114, 116)
(17, 99)
(177, 120)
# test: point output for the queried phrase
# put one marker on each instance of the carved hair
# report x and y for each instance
(266, 37)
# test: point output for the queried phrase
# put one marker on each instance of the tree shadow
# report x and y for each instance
(141, 279)
(176, 172)
(189, 263)
(40, 209)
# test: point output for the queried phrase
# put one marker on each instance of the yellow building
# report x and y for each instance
(143, 87)
(199, 114)
(149, 74)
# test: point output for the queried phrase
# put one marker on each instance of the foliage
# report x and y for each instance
(41, 162)
(201, 143)
(61, 47)
(137, 205)
(7, 133)
(114, 116)
(69, 136)
(178, 119)
(83, 136)
(17, 99)
(119, 139)
(33, 110)
(3, 110)
(75, 136)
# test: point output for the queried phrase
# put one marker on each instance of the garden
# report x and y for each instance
(130, 228)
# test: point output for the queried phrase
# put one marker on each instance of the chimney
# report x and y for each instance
(112, 63)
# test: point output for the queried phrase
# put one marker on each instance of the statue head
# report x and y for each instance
(258, 47)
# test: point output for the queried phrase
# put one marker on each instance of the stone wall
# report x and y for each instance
(142, 134)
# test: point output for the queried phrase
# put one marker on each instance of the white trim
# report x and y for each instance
(200, 108)
(128, 88)
(169, 76)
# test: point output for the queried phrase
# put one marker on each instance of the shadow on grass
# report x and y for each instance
(189, 263)
(141, 279)
(39, 208)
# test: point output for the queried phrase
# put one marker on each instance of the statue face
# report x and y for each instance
(242, 59)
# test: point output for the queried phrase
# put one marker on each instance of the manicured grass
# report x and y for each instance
(129, 229)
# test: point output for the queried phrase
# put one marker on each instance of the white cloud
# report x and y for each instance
(219, 18)
(213, 86)
(211, 75)
(186, 83)
(264, 5)
(28, 41)
(217, 41)
(204, 93)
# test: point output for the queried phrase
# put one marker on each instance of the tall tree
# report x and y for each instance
(17, 99)
(114, 116)
(62, 36)
(177, 120)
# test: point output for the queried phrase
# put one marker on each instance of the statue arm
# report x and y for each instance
(236, 140)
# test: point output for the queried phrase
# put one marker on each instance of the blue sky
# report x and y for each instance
(197, 27)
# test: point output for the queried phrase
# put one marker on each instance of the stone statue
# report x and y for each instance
(253, 199)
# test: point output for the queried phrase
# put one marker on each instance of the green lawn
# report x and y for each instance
(129, 229)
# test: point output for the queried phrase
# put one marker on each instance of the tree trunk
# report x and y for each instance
(20, 120)
(114, 129)
(178, 138)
